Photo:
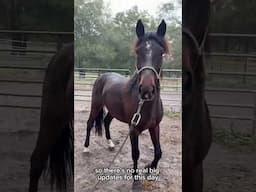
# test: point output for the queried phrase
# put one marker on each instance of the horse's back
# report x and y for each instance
(109, 90)
(108, 81)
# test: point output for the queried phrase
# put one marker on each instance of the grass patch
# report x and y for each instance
(235, 140)
(172, 114)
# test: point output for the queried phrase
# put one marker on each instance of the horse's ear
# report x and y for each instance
(161, 30)
(140, 29)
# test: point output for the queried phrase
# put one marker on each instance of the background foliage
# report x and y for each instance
(104, 40)
(42, 15)
(233, 16)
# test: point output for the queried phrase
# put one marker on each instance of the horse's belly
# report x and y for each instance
(113, 103)
(116, 111)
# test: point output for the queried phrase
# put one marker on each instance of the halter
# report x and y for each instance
(199, 47)
(138, 71)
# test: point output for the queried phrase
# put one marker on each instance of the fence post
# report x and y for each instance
(254, 115)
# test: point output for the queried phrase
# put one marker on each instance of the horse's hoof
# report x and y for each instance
(86, 150)
(148, 166)
(111, 144)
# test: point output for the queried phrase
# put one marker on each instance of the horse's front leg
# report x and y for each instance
(192, 178)
(154, 134)
(135, 152)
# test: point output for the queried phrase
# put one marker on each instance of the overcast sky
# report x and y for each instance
(149, 5)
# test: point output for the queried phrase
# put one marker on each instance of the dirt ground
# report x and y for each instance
(18, 136)
(230, 169)
(226, 169)
(100, 156)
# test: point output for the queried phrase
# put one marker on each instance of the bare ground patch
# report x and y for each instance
(100, 156)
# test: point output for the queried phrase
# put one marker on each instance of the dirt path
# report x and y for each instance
(18, 134)
(100, 156)
(230, 170)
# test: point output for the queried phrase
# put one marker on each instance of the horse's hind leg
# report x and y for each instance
(107, 121)
(95, 110)
(154, 134)
(192, 178)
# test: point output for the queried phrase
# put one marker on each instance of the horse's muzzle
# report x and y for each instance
(147, 92)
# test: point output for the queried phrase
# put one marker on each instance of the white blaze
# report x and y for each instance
(149, 53)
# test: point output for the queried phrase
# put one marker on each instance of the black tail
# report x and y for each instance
(61, 160)
(99, 122)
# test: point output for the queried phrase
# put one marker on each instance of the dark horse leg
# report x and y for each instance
(193, 180)
(96, 109)
(135, 152)
(154, 134)
(107, 121)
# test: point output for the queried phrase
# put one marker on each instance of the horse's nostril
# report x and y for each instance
(147, 92)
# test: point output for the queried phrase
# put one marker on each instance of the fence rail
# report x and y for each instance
(228, 52)
(28, 51)
(84, 83)
(20, 41)
(232, 35)
(25, 56)
(173, 73)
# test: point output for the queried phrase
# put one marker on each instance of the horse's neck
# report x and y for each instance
(132, 84)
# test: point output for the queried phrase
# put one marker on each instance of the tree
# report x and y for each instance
(103, 40)
(167, 11)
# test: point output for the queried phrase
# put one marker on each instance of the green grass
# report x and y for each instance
(235, 140)
(171, 114)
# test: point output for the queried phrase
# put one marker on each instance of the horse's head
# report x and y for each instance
(149, 48)
(194, 32)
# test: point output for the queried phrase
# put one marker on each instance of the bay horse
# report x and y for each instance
(54, 151)
(122, 97)
(196, 125)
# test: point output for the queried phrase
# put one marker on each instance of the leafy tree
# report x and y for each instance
(103, 40)
(166, 11)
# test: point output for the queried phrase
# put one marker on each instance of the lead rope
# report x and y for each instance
(134, 122)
